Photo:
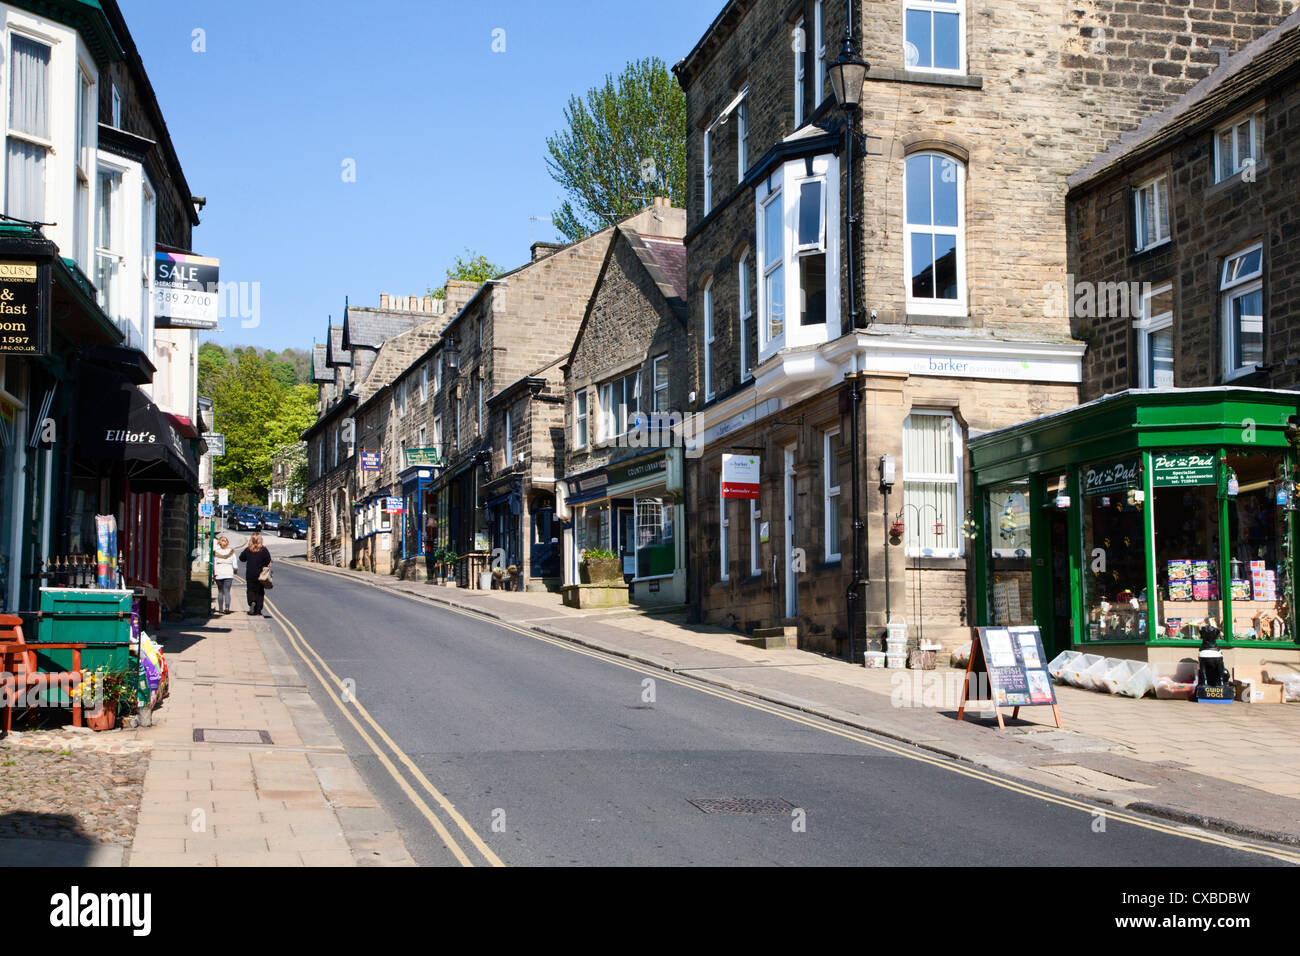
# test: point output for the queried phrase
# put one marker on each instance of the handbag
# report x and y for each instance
(264, 578)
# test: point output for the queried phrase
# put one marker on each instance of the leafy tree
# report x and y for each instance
(476, 268)
(213, 360)
(625, 143)
(284, 373)
(258, 413)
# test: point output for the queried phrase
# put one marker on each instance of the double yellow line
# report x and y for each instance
(333, 687)
(1112, 814)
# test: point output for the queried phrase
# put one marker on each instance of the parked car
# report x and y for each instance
(246, 520)
(270, 520)
(293, 528)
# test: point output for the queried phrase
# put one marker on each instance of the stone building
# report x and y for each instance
(626, 385)
(1182, 236)
(974, 116)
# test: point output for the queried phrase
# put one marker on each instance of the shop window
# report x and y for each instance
(656, 553)
(592, 529)
(1242, 285)
(832, 500)
(1010, 575)
(1237, 146)
(755, 532)
(1260, 549)
(1185, 522)
(932, 492)
(933, 36)
(1114, 552)
(1155, 329)
(1151, 213)
(934, 241)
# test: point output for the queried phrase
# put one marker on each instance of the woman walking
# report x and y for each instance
(223, 569)
(255, 558)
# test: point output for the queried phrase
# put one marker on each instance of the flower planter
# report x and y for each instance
(605, 571)
(104, 719)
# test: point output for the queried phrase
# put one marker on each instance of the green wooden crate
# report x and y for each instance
(85, 616)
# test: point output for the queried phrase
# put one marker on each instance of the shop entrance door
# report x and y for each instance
(627, 540)
(790, 537)
(1062, 626)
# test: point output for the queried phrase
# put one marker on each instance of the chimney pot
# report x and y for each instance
(383, 300)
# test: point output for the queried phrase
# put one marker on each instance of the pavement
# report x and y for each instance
(1229, 769)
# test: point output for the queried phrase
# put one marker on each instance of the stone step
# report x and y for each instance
(772, 638)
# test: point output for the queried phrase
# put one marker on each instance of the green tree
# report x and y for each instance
(624, 143)
(213, 360)
(475, 268)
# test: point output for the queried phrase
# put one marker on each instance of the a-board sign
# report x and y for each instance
(1014, 668)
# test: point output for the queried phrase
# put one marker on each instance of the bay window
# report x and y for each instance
(85, 165)
(933, 35)
(935, 234)
(1242, 286)
(932, 494)
(108, 233)
(798, 224)
(29, 141)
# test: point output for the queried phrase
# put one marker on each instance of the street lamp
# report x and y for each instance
(848, 73)
(451, 353)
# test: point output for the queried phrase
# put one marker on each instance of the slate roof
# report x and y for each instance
(371, 328)
(335, 354)
(665, 261)
(321, 372)
(1232, 86)
(398, 354)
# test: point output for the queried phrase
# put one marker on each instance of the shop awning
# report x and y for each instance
(117, 424)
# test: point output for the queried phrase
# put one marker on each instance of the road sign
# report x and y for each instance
(209, 494)
(205, 509)
(223, 497)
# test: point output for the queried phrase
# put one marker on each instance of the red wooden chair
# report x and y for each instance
(20, 670)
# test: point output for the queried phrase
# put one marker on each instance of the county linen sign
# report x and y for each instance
(24, 325)
(186, 291)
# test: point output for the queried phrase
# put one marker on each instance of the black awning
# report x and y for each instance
(117, 424)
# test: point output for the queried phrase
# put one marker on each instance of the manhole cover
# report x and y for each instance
(742, 804)
(208, 735)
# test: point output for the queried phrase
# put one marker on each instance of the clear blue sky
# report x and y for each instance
(449, 138)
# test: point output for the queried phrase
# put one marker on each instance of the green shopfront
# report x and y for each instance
(1128, 523)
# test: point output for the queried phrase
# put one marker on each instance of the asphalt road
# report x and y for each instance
(556, 757)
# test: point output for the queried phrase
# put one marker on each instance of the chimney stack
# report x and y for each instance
(383, 300)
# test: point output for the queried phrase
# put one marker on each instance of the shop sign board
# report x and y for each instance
(216, 442)
(1012, 660)
(1176, 469)
(638, 470)
(370, 461)
(740, 477)
(24, 324)
(422, 456)
(392, 505)
(186, 291)
(1110, 478)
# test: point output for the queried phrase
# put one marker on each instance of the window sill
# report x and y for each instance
(1236, 179)
(1232, 376)
(1151, 249)
(960, 320)
(889, 75)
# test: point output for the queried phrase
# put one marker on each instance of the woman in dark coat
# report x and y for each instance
(255, 558)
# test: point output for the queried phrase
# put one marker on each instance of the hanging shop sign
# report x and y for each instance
(392, 506)
(370, 461)
(1012, 663)
(422, 456)
(1112, 477)
(186, 291)
(216, 442)
(24, 314)
(1175, 469)
(740, 477)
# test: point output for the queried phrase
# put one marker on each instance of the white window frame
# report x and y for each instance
(708, 170)
(660, 404)
(479, 421)
(755, 516)
(958, 478)
(1149, 325)
(932, 7)
(1254, 122)
(935, 306)
(800, 54)
(709, 335)
(830, 533)
(424, 384)
(611, 427)
(110, 299)
(117, 108)
(820, 48)
(1231, 288)
(46, 142)
(724, 532)
(782, 187)
(510, 445)
(742, 135)
(85, 149)
(745, 309)
(581, 417)
(437, 434)
(1159, 188)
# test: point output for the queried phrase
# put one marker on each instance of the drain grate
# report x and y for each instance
(741, 804)
(210, 735)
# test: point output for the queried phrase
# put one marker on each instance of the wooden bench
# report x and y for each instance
(21, 673)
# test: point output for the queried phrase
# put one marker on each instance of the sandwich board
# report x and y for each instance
(1012, 662)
